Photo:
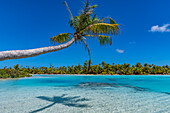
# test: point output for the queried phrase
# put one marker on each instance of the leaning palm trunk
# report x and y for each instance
(16, 54)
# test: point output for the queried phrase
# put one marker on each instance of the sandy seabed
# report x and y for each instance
(82, 100)
(86, 94)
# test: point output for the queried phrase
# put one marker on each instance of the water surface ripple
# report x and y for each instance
(86, 94)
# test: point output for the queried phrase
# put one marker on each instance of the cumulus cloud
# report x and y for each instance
(120, 51)
(158, 28)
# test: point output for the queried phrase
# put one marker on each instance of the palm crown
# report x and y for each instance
(86, 25)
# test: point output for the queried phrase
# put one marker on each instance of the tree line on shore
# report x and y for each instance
(102, 68)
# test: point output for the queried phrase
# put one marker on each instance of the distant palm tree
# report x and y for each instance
(86, 25)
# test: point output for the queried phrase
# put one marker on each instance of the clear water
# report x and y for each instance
(87, 94)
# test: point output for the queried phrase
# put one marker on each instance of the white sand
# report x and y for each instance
(86, 100)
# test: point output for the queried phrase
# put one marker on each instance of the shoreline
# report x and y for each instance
(12, 78)
(99, 74)
(86, 75)
(8, 79)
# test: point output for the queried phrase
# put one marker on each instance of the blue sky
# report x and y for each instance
(144, 37)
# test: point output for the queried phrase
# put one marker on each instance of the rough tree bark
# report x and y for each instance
(17, 54)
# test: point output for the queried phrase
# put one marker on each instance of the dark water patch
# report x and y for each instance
(51, 81)
(163, 76)
(136, 88)
(168, 93)
(138, 80)
(116, 85)
(123, 78)
(64, 100)
(92, 84)
(123, 84)
(111, 79)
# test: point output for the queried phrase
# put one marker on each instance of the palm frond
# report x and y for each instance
(74, 23)
(65, 3)
(112, 21)
(86, 16)
(107, 20)
(103, 39)
(61, 38)
(73, 20)
(103, 28)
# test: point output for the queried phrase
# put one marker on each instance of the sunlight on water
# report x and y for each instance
(74, 94)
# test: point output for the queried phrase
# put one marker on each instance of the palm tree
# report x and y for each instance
(86, 25)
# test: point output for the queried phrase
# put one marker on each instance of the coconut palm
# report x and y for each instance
(86, 25)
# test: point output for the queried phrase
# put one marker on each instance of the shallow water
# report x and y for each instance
(86, 94)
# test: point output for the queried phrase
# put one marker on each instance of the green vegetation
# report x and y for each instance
(86, 25)
(102, 68)
(13, 72)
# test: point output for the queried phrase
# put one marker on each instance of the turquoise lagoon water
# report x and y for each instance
(85, 94)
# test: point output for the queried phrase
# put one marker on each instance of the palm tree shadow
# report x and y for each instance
(67, 101)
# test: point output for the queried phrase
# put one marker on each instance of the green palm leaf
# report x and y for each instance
(103, 28)
(87, 24)
(65, 3)
(61, 38)
(103, 39)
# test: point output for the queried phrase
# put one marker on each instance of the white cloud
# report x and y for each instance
(120, 51)
(158, 28)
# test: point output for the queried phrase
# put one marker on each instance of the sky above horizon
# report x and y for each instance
(144, 37)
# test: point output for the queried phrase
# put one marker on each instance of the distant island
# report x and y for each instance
(101, 69)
